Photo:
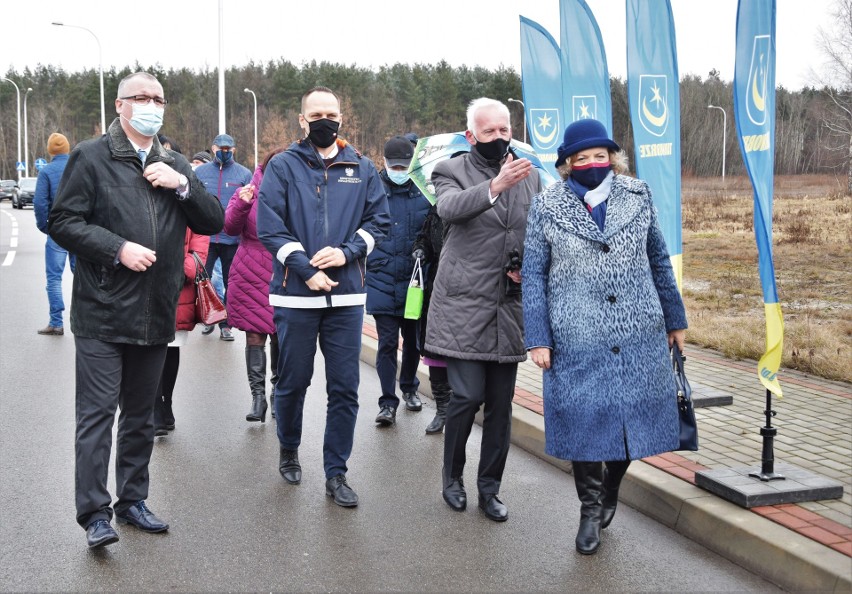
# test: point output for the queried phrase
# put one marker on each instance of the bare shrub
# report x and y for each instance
(797, 231)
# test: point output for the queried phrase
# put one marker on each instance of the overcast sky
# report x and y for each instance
(372, 33)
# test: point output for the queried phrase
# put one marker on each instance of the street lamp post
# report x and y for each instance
(18, 116)
(255, 124)
(100, 69)
(26, 137)
(524, 113)
(221, 68)
(724, 135)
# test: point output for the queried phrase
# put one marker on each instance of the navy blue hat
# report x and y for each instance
(224, 140)
(582, 135)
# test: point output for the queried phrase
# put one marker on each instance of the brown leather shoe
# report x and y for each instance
(52, 331)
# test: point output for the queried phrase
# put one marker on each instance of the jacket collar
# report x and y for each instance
(624, 204)
(120, 147)
(303, 148)
(482, 163)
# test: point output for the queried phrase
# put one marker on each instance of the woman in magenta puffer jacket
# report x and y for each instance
(164, 418)
(248, 291)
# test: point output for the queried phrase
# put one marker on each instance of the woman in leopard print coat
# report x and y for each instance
(601, 308)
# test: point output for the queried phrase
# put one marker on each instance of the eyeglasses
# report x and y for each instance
(145, 100)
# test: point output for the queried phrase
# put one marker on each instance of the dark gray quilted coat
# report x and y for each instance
(470, 315)
(604, 302)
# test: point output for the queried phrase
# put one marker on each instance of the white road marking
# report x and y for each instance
(13, 242)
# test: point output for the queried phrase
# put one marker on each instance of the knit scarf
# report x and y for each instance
(594, 199)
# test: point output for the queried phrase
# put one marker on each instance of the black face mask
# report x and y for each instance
(492, 151)
(323, 132)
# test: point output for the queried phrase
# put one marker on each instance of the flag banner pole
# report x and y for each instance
(585, 76)
(541, 81)
(654, 98)
(754, 111)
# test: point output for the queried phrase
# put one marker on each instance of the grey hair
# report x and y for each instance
(129, 77)
(481, 103)
(618, 160)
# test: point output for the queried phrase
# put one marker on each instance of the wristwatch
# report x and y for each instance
(183, 183)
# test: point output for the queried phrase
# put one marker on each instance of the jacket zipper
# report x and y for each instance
(152, 206)
(325, 206)
(218, 195)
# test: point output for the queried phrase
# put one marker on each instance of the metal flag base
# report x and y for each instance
(767, 462)
(738, 484)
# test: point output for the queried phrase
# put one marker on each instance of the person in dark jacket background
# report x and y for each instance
(427, 248)
(164, 418)
(55, 256)
(389, 268)
(222, 177)
(123, 208)
(321, 211)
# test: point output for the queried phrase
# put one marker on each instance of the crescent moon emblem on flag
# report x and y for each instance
(759, 100)
(655, 120)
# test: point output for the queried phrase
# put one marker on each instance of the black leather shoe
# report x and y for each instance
(343, 494)
(493, 508)
(386, 416)
(143, 518)
(455, 495)
(412, 401)
(289, 467)
(100, 533)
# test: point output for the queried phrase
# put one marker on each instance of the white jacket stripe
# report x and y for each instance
(287, 249)
(368, 239)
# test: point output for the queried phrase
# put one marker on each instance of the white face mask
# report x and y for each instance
(147, 119)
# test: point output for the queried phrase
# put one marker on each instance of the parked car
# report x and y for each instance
(25, 193)
(8, 188)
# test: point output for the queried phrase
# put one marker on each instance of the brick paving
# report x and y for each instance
(814, 422)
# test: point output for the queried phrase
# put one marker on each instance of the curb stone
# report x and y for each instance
(761, 546)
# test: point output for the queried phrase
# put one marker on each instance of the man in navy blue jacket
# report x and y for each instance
(55, 255)
(222, 177)
(389, 270)
(321, 210)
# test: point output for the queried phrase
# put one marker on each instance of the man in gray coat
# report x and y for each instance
(475, 316)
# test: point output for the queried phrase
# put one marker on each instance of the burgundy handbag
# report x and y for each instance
(209, 309)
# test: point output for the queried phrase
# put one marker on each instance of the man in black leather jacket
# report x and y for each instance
(123, 208)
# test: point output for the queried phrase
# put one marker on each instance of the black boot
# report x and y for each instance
(613, 473)
(160, 417)
(273, 354)
(442, 392)
(256, 368)
(588, 478)
(168, 414)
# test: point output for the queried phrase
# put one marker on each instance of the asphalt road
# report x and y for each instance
(237, 526)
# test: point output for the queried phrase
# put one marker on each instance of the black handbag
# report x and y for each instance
(686, 412)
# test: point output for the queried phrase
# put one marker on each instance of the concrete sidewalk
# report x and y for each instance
(801, 547)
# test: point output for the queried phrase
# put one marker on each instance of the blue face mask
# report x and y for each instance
(223, 156)
(147, 119)
(400, 178)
